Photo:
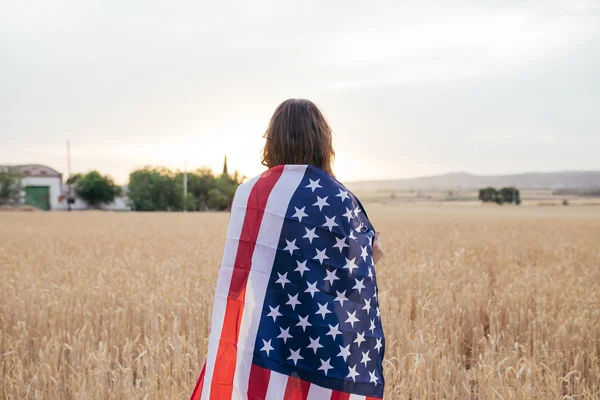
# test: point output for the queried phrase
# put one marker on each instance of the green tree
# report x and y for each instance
(96, 189)
(10, 188)
(154, 189)
(510, 194)
(488, 194)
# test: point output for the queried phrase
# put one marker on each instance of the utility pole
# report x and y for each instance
(185, 187)
(69, 196)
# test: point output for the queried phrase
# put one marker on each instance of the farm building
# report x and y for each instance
(41, 185)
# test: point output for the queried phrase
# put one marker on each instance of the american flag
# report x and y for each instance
(296, 314)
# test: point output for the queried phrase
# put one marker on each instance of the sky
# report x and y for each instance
(409, 88)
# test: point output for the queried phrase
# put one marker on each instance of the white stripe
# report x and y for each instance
(277, 384)
(357, 397)
(318, 393)
(236, 222)
(260, 271)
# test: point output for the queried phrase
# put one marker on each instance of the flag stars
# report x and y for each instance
(300, 213)
(321, 256)
(285, 334)
(350, 265)
(364, 253)
(301, 268)
(351, 235)
(334, 331)
(351, 318)
(323, 310)
(293, 301)
(370, 275)
(343, 194)
(378, 345)
(359, 227)
(312, 289)
(352, 374)
(314, 344)
(356, 211)
(344, 352)
(359, 285)
(340, 243)
(310, 234)
(313, 185)
(348, 214)
(341, 297)
(274, 313)
(303, 323)
(267, 346)
(282, 279)
(330, 223)
(372, 326)
(291, 246)
(372, 377)
(360, 337)
(367, 306)
(331, 276)
(365, 357)
(325, 366)
(295, 356)
(321, 202)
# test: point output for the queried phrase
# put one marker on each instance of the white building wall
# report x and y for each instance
(53, 182)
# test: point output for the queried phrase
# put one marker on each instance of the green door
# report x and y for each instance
(38, 196)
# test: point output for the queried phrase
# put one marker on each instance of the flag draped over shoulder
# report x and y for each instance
(296, 314)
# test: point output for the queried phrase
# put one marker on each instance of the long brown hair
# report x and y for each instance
(298, 133)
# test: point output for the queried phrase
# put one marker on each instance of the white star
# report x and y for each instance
(321, 256)
(330, 222)
(372, 326)
(351, 318)
(301, 267)
(359, 285)
(310, 234)
(291, 246)
(285, 334)
(350, 265)
(274, 313)
(314, 185)
(341, 297)
(321, 202)
(370, 240)
(357, 210)
(359, 227)
(340, 243)
(363, 253)
(303, 323)
(293, 301)
(314, 344)
(325, 366)
(373, 377)
(334, 331)
(295, 356)
(378, 345)
(331, 276)
(351, 235)
(375, 294)
(343, 194)
(323, 310)
(365, 357)
(267, 346)
(370, 273)
(352, 374)
(344, 352)
(348, 214)
(378, 312)
(360, 337)
(300, 213)
(312, 289)
(282, 279)
(367, 306)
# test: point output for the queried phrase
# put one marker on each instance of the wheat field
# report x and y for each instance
(477, 303)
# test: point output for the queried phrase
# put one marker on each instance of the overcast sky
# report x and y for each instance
(410, 88)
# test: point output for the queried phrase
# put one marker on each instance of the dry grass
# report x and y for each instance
(487, 303)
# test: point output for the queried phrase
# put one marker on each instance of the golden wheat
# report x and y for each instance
(483, 303)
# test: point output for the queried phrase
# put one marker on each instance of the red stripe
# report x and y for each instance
(224, 368)
(335, 395)
(259, 383)
(296, 389)
(198, 389)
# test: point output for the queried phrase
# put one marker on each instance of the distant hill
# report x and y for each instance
(572, 180)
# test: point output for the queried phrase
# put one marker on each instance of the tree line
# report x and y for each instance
(504, 195)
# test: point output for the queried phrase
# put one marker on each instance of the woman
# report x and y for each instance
(296, 313)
